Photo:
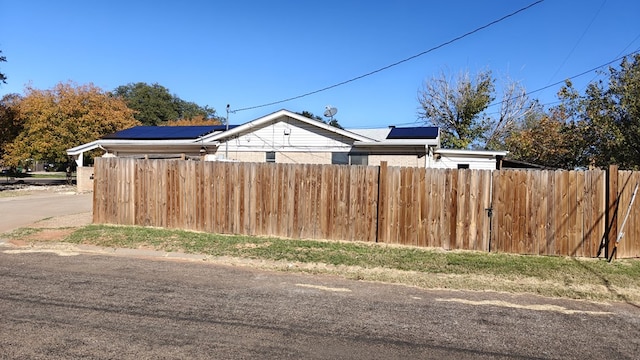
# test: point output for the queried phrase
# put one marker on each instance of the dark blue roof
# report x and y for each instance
(422, 132)
(166, 132)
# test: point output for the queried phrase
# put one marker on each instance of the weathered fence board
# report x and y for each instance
(513, 211)
(549, 212)
(629, 246)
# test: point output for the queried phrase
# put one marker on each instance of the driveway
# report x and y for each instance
(23, 210)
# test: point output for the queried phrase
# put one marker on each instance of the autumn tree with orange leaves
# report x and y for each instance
(194, 121)
(63, 117)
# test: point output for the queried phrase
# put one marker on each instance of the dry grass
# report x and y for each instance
(592, 279)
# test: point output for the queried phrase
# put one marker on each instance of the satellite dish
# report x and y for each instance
(330, 111)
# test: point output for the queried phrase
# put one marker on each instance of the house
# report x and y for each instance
(287, 137)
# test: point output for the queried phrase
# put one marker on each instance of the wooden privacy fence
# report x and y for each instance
(515, 211)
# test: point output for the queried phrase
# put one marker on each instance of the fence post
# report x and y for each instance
(612, 210)
(381, 214)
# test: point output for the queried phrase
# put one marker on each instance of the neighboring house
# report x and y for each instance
(287, 137)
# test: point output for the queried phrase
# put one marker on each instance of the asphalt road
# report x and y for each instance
(21, 211)
(70, 305)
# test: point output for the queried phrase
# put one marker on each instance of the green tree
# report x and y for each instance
(63, 117)
(608, 115)
(547, 139)
(10, 123)
(456, 107)
(154, 104)
(3, 77)
(333, 122)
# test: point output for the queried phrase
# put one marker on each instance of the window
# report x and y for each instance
(359, 159)
(463, 166)
(340, 158)
(271, 156)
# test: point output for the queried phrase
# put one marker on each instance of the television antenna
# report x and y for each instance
(329, 111)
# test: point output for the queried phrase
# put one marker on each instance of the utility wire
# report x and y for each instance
(398, 62)
(569, 78)
(579, 40)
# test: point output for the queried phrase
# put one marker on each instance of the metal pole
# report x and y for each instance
(226, 143)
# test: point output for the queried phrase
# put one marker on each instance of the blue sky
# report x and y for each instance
(249, 53)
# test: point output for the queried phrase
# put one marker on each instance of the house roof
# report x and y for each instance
(161, 138)
(165, 132)
(401, 136)
(377, 134)
(276, 116)
(422, 132)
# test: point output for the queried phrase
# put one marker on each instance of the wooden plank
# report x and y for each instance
(598, 219)
(421, 204)
(572, 215)
(513, 226)
(520, 214)
(342, 214)
(627, 247)
(472, 240)
(612, 218)
(563, 204)
(371, 209)
(529, 215)
(405, 220)
(391, 203)
(498, 231)
(382, 226)
(588, 224)
(461, 224)
(485, 229)
(356, 202)
(535, 208)
(579, 237)
(439, 208)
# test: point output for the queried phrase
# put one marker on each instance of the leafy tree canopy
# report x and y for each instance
(196, 120)
(457, 106)
(63, 117)
(10, 123)
(611, 117)
(333, 122)
(154, 104)
(597, 128)
(547, 139)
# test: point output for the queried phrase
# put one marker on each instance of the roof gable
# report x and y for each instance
(278, 116)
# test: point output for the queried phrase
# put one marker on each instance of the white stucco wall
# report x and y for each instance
(474, 162)
(84, 179)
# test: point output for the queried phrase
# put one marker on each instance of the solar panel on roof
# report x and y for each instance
(422, 132)
(165, 132)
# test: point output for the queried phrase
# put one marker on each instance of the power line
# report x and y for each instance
(398, 62)
(569, 78)
(579, 40)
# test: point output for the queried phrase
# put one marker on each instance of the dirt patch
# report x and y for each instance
(73, 220)
(45, 235)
